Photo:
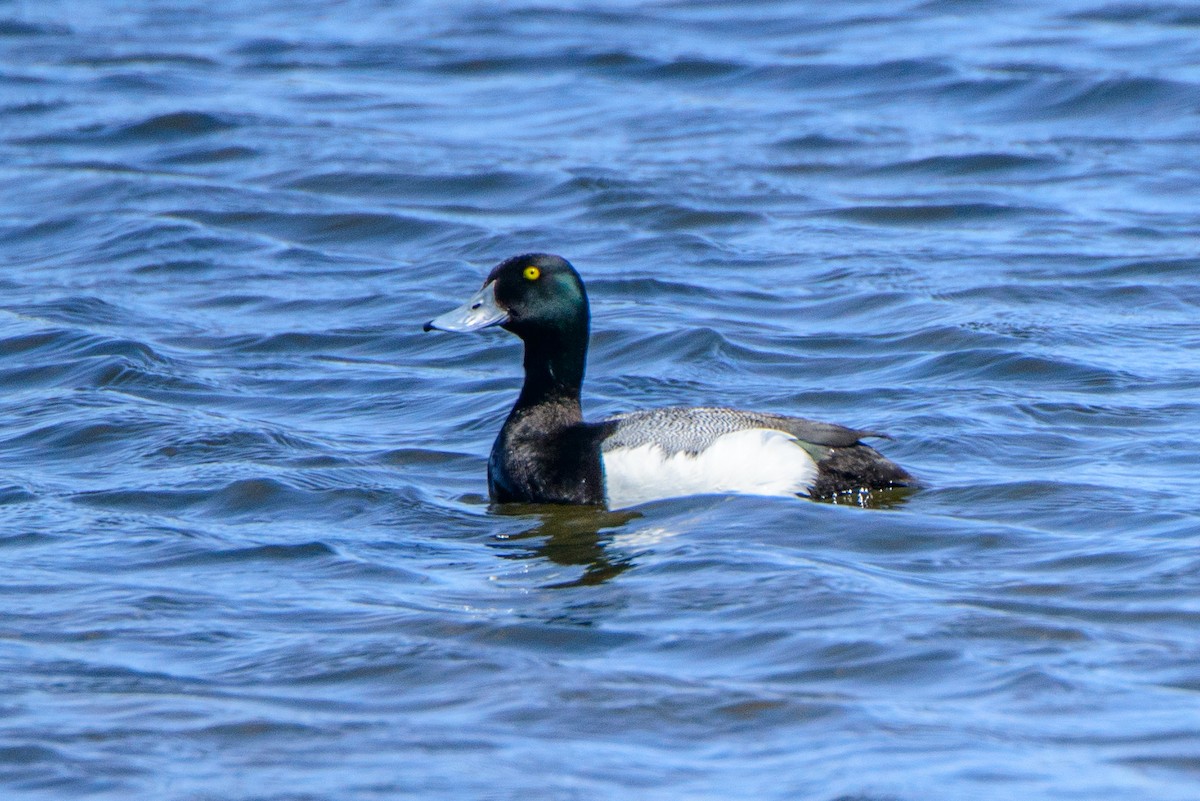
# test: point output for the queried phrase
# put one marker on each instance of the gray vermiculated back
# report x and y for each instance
(692, 429)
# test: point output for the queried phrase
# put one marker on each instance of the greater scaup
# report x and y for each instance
(546, 453)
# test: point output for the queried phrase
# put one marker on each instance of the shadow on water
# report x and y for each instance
(889, 498)
(574, 536)
(579, 536)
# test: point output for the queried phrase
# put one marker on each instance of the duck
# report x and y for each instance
(546, 453)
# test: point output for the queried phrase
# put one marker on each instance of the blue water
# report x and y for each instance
(246, 550)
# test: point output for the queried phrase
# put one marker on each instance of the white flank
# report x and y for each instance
(756, 461)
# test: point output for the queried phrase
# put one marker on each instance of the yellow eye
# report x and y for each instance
(532, 273)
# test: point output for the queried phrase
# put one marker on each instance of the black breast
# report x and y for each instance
(545, 454)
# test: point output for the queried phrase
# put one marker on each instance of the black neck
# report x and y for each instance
(554, 365)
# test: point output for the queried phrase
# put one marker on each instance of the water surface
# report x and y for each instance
(246, 548)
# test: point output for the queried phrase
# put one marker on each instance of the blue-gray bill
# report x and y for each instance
(479, 312)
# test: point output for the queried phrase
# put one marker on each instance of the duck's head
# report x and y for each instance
(535, 294)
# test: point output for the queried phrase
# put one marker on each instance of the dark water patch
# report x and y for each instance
(179, 267)
(269, 554)
(180, 124)
(1087, 558)
(410, 57)
(222, 301)
(1185, 763)
(874, 666)
(336, 348)
(423, 458)
(79, 310)
(622, 290)
(34, 107)
(596, 181)
(327, 228)
(45, 229)
(818, 142)
(83, 676)
(366, 303)
(304, 53)
(13, 495)
(326, 395)
(244, 445)
(1026, 70)
(214, 155)
(493, 185)
(137, 381)
(476, 66)
(911, 214)
(1180, 14)
(95, 165)
(148, 58)
(1094, 612)
(678, 710)
(802, 168)
(1023, 631)
(20, 28)
(891, 76)
(873, 307)
(60, 341)
(25, 80)
(1101, 295)
(344, 99)
(383, 667)
(1014, 366)
(1062, 415)
(1112, 98)
(617, 62)
(673, 217)
(297, 342)
(132, 83)
(248, 499)
(986, 97)
(697, 345)
(35, 769)
(1015, 329)
(1033, 496)
(136, 352)
(546, 637)
(615, 65)
(180, 238)
(969, 164)
(73, 439)
(28, 755)
(88, 361)
(244, 732)
(695, 69)
(71, 358)
(266, 46)
(152, 130)
(936, 338)
(1157, 270)
(134, 242)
